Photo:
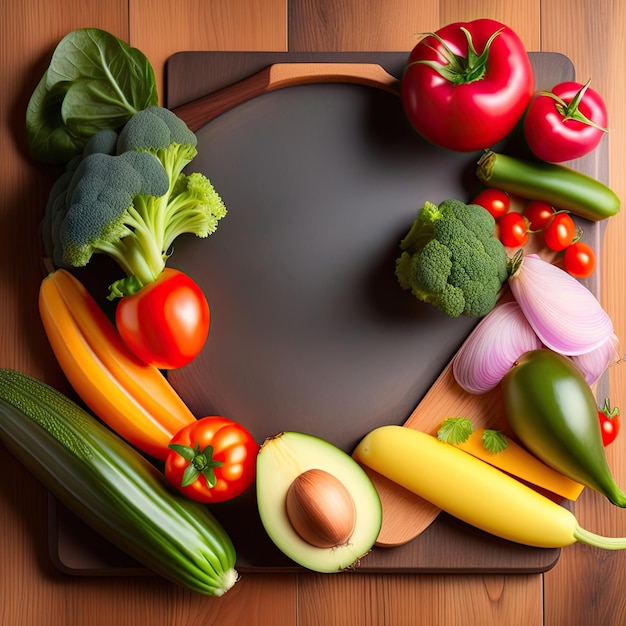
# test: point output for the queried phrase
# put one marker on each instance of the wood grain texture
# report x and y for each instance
(522, 17)
(160, 28)
(327, 25)
(395, 600)
(585, 587)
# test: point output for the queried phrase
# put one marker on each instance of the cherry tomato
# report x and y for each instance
(560, 232)
(538, 213)
(467, 85)
(212, 460)
(565, 123)
(166, 323)
(579, 260)
(610, 423)
(497, 202)
(513, 230)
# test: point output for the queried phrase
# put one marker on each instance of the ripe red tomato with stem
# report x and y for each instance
(561, 232)
(467, 85)
(565, 123)
(496, 201)
(212, 460)
(166, 323)
(538, 213)
(579, 260)
(512, 230)
(610, 423)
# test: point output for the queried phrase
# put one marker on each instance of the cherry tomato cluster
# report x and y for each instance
(558, 229)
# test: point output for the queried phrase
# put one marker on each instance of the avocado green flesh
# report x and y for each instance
(279, 462)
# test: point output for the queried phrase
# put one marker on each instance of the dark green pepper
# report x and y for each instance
(553, 412)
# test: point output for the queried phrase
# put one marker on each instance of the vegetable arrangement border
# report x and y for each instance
(221, 75)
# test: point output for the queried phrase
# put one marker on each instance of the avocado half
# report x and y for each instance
(280, 461)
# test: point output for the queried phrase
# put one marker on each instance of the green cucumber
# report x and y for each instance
(112, 487)
(560, 186)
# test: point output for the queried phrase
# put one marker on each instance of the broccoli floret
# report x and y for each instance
(473, 216)
(54, 214)
(154, 128)
(162, 133)
(104, 142)
(127, 196)
(101, 211)
(451, 258)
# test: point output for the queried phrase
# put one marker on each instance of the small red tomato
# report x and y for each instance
(166, 323)
(579, 260)
(560, 232)
(538, 213)
(609, 422)
(497, 202)
(513, 230)
(212, 460)
(565, 123)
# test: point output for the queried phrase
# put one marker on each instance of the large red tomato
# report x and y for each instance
(467, 85)
(212, 460)
(166, 323)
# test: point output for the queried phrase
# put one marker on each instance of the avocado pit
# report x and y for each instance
(320, 509)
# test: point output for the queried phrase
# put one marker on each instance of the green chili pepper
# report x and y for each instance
(553, 412)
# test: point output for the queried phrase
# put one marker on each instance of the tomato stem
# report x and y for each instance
(571, 111)
(200, 462)
(458, 69)
(608, 411)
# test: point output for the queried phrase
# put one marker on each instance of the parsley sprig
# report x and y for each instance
(456, 430)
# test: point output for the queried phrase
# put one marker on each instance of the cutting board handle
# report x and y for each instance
(199, 112)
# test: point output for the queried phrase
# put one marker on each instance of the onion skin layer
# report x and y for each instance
(492, 348)
(566, 316)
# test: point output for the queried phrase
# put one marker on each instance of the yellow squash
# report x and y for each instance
(132, 398)
(472, 490)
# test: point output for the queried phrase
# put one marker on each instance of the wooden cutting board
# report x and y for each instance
(445, 545)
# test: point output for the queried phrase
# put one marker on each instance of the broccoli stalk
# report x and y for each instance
(129, 198)
(451, 258)
(422, 229)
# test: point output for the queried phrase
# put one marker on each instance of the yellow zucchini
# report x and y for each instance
(472, 490)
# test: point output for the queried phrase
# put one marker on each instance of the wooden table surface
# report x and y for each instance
(585, 587)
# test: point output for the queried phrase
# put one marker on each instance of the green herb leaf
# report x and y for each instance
(95, 81)
(494, 441)
(455, 430)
